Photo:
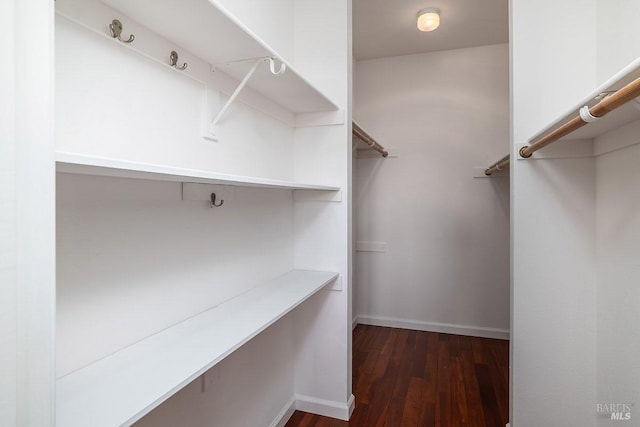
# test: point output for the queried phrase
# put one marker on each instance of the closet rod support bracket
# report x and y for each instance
(523, 152)
(213, 126)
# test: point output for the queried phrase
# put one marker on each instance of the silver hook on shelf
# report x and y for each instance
(116, 31)
(213, 204)
(173, 61)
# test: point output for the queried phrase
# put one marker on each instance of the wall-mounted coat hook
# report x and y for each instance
(213, 204)
(116, 31)
(173, 61)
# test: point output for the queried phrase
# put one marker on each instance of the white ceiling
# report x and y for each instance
(388, 27)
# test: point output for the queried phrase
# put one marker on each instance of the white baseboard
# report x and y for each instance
(446, 328)
(284, 415)
(326, 408)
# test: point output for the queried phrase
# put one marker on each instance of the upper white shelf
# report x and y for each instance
(207, 30)
(123, 387)
(621, 116)
(102, 166)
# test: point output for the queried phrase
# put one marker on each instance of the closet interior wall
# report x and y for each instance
(575, 220)
(27, 215)
(618, 222)
(432, 241)
(134, 259)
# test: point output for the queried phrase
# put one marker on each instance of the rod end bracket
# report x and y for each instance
(523, 154)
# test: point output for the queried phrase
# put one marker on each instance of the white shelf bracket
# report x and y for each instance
(272, 66)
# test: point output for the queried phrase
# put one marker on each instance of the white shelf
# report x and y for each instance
(123, 387)
(619, 117)
(102, 166)
(213, 34)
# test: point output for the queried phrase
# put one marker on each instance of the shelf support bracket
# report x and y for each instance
(243, 83)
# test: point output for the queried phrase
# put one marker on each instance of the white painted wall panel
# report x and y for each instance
(27, 257)
(322, 45)
(248, 389)
(322, 230)
(553, 47)
(553, 323)
(618, 35)
(618, 238)
(133, 258)
(270, 20)
(447, 260)
(8, 222)
(142, 111)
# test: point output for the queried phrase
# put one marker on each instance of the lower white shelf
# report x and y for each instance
(102, 166)
(123, 387)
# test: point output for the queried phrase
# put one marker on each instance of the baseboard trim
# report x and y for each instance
(325, 408)
(446, 328)
(284, 415)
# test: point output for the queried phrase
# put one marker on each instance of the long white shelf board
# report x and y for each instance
(215, 35)
(123, 387)
(619, 117)
(102, 166)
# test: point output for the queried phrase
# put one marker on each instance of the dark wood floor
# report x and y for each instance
(411, 378)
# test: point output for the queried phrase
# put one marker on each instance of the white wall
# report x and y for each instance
(322, 236)
(553, 324)
(618, 223)
(618, 35)
(447, 264)
(8, 225)
(247, 389)
(618, 238)
(142, 111)
(134, 258)
(577, 218)
(27, 257)
(272, 21)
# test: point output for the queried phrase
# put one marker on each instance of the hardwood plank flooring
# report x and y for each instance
(405, 378)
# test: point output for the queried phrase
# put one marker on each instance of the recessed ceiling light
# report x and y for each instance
(428, 19)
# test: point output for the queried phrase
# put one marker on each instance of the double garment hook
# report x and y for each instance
(116, 31)
(213, 204)
(173, 61)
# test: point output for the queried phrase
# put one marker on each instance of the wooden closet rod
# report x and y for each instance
(606, 105)
(364, 137)
(501, 164)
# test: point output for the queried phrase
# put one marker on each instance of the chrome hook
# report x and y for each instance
(213, 204)
(272, 66)
(116, 31)
(173, 61)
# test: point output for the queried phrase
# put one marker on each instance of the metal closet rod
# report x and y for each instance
(587, 115)
(364, 137)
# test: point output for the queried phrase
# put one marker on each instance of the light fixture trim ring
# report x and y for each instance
(428, 19)
(428, 10)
